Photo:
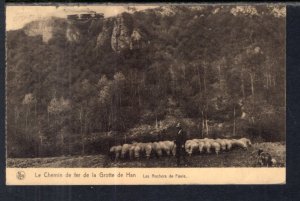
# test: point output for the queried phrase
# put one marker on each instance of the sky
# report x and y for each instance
(17, 16)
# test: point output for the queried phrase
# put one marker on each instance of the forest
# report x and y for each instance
(75, 88)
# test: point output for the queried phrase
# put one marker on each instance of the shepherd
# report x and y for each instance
(180, 140)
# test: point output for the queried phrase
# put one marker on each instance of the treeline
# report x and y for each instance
(217, 69)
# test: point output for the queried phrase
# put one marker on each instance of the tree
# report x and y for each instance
(28, 101)
(59, 109)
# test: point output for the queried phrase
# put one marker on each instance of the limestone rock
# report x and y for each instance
(72, 34)
(44, 28)
(121, 35)
(136, 41)
(104, 36)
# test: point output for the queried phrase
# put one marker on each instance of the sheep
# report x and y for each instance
(148, 150)
(194, 145)
(163, 147)
(222, 144)
(191, 146)
(169, 147)
(216, 146)
(188, 141)
(246, 141)
(131, 151)
(174, 150)
(125, 150)
(112, 151)
(187, 146)
(118, 151)
(228, 144)
(238, 143)
(201, 145)
(198, 140)
(207, 145)
(137, 150)
(142, 147)
(157, 149)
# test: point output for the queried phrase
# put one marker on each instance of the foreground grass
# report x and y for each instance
(63, 161)
(233, 158)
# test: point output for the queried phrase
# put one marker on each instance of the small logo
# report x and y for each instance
(20, 175)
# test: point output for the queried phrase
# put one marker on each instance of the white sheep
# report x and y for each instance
(174, 150)
(125, 150)
(201, 146)
(112, 151)
(207, 145)
(163, 147)
(131, 151)
(142, 147)
(246, 141)
(191, 147)
(228, 144)
(137, 151)
(157, 149)
(168, 147)
(216, 146)
(239, 143)
(198, 140)
(222, 143)
(188, 141)
(148, 149)
(118, 151)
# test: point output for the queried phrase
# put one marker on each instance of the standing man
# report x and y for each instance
(180, 144)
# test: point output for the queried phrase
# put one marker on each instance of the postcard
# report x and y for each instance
(126, 94)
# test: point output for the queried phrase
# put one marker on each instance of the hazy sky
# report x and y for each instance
(18, 16)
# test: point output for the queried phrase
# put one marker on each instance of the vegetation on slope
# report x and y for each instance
(220, 71)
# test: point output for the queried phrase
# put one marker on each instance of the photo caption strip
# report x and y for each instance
(145, 176)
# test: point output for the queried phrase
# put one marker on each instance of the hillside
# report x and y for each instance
(79, 86)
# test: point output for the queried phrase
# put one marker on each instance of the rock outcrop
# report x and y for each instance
(45, 28)
(115, 33)
(104, 37)
(136, 40)
(121, 35)
(72, 34)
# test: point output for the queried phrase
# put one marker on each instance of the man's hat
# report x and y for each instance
(178, 125)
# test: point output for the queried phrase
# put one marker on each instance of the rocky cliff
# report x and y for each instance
(125, 35)
(46, 28)
(72, 34)
(120, 38)
(116, 33)
(104, 37)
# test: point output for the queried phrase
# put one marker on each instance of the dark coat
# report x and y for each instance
(181, 138)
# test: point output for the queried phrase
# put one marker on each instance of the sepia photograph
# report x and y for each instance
(145, 86)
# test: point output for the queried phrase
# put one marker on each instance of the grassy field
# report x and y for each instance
(233, 158)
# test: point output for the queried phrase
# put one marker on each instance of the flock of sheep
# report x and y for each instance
(217, 145)
(206, 145)
(138, 149)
